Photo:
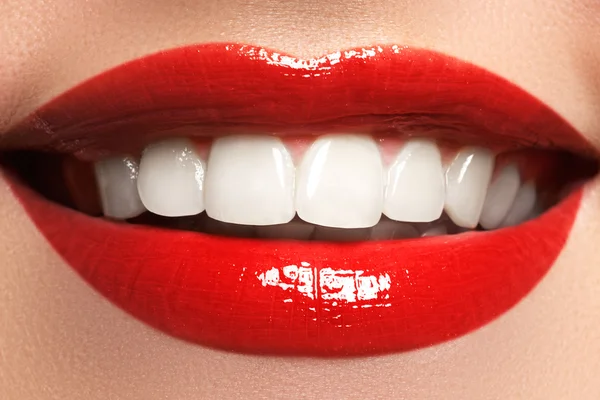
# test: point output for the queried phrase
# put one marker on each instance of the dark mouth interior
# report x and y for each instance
(44, 173)
(205, 224)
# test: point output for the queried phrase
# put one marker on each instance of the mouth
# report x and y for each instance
(370, 201)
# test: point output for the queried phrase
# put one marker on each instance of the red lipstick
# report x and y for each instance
(293, 297)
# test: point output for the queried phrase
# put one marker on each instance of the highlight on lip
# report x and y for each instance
(370, 201)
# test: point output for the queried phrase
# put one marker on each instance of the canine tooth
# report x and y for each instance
(522, 206)
(250, 181)
(415, 188)
(294, 230)
(499, 198)
(467, 180)
(340, 182)
(171, 179)
(117, 184)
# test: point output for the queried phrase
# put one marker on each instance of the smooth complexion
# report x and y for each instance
(60, 339)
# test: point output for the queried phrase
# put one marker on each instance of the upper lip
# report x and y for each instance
(196, 91)
(217, 291)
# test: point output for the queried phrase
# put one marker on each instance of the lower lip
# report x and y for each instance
(321, 299)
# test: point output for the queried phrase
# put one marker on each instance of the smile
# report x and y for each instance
(373, 200)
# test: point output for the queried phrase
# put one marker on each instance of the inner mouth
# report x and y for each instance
(339, 187)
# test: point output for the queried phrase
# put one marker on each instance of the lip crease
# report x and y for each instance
(299, 298)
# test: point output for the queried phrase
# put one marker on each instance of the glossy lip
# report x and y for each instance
(299, 298)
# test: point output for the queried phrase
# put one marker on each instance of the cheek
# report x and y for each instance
(57, 329)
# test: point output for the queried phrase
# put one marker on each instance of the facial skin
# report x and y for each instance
(60, 339)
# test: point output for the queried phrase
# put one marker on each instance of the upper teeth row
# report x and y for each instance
(340, 182)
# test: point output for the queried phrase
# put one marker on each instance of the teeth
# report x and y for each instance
(522, 207)
(340, 182)
(171, 179)
(415, 189)
(117, 183)
(250, 187)
(467, 180)
(250, 181)
(500, 197)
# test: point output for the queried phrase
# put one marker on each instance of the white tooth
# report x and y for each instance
(250, 181)
(340, 182)
(117, 184)
(296, 230)
(438, 230)
(467, 180)
(500, 197)
(393, 230)
(171, 178)
(415, 188)
(522, 207)
(323, 233)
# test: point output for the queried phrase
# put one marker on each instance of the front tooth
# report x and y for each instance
(171, 179)
(500, 197)
(117, 184)
(250, 181)
(415, 188)
(467, 180)
(340, 182)
(522, 207)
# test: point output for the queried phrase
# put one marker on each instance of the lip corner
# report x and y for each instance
(318, 299)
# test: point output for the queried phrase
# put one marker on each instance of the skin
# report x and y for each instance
(59, 339)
